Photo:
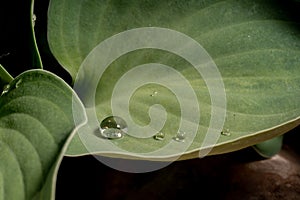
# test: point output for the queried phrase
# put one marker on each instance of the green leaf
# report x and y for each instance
(254, 44)
(36, 124)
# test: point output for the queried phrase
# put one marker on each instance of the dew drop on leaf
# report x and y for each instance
(225, 132)
(153, 94)
(33, 19)
(113, 127)
(159, 136)
(179, 137)
(5, 89)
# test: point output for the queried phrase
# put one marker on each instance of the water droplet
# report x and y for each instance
(33, 19)
(18, 83)
(159, 136)
(225, 132)
(113, 127)
(153, 94)
(179, 137)
(5, 89)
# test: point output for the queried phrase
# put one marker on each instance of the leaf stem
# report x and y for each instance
(36, 57)
(5, 77)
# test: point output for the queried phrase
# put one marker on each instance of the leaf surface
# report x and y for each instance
(254, 44)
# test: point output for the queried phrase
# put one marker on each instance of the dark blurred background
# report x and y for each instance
(233, 176)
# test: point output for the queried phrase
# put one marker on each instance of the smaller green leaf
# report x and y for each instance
(36, 124)
(270, 147)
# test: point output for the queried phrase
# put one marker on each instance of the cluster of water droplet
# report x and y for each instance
(114, 127)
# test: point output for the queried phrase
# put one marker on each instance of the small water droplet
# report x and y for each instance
(179, 137)
(153, 94)
(18, 83)
(33, 19)
(113, 127)
(159, 136)
(5, 89)
(225, 132)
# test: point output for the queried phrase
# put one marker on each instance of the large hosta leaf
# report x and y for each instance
(254, 44)
(36, 120)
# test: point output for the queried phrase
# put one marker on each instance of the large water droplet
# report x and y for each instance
(113, 127)
(5, 89)
(179, 137)
(159, 136)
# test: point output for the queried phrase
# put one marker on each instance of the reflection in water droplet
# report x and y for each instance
(5, 89)
(179, 137)
(153, 94)
(225, 132)
(113, 127)
(18, 83)
(159, 136)
(112, 133)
